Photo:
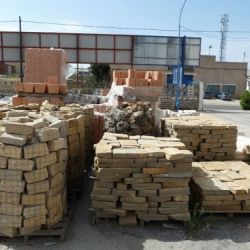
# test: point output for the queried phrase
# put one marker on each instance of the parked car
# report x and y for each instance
(207, 95)
(224, 96)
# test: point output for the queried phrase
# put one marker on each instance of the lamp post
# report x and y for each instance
(209, 49)
(179, 66)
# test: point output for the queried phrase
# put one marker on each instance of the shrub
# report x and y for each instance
(245, 100)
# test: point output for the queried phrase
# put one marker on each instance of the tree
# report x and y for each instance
(245, 100)
(100, 72)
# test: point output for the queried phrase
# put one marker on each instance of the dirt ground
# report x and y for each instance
(219, 231)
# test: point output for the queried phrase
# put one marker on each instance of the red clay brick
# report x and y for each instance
(53, 80)
(62, 88)
(141, 82)
(140, 74)
(53, 88)
(123, 73)
(131, 82)
(40, 88)
(18, 87)
(16, 100)
(28, 87)
(131, 73)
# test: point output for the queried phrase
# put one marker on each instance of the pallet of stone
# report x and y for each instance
(58, 230)
(246, 153)
(32, 177)
(79, 134)
(207, 137)
(141, 178)
(221, 187)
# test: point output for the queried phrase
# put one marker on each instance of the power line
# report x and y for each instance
(9, 21)
(99, 26)
(204, 33)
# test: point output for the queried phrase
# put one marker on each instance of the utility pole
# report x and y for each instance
(244, 56)
(224, 29)
(179, 65)
(21, 48)
(209, 49)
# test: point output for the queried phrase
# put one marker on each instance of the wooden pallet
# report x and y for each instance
(58, 230)
(227, 213)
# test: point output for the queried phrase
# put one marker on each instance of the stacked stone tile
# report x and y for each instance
(79, 133)
(32, 173)
(141, 178)
(222, 186)
(207, 137)
(84, 130)
(246, 152)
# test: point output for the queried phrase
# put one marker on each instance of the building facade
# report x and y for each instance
(229, 77)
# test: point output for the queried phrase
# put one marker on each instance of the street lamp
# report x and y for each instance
(209, 48)
(179, 66)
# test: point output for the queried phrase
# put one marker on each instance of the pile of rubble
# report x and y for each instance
(129, 118)
(141, 178)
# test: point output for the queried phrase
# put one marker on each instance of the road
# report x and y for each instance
(229, 111)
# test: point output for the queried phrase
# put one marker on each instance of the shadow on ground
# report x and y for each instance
(221, 231)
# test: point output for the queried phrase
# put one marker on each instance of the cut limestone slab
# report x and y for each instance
(10, 198)
(10, 151)
(10, 221)
(3, 162)
(35, 150)
(34, 211)
(11, 209)
(21, 164)
(48, 134)
(13, 139)
(129, 153)
(46, 160)
(36, 175)
(38, 187)
(36, 199)
(12, 186)
(19, 128)
(12, 175)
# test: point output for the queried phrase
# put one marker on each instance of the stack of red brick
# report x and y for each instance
(50, 87)
(44, 77)
(134, 78)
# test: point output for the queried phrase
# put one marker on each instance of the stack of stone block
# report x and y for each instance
(79, 133)
(141, 178)
(33, 160)
(246, 152)
(207, 137)
(83, 128)
(222, 186)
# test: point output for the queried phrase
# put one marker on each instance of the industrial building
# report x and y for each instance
(229, 77)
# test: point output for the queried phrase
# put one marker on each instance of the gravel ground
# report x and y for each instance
(220, 232)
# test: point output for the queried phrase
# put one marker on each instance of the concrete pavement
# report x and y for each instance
(229, 111)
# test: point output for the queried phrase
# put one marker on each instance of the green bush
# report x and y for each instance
(245, 100)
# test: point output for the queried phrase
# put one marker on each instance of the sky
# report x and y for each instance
(200, 16)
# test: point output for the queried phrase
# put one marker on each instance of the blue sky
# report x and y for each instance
(162, 14)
